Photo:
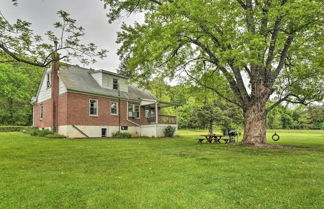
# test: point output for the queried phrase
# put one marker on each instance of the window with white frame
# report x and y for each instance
(41, 112)
(133, 111)
(93, 107)
(114, 108)
(115, 84)
(48, 80)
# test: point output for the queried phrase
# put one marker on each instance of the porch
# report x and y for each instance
(163, 119)
(153, 109)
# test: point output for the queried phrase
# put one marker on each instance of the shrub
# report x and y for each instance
(169, 131)
(34, 131)
(122, 134)
(11, 128)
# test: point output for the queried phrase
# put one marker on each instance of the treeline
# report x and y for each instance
(18, 84)
(296, 117)
(201, 108)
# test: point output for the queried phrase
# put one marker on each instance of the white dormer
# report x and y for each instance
(110, 80)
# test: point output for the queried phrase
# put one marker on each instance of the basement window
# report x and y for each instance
(93, 107)
(124, 128)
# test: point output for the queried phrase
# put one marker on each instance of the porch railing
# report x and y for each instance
(164, 119)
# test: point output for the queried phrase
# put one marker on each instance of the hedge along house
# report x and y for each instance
(78, 102)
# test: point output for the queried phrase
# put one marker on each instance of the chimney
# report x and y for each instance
(55, 90)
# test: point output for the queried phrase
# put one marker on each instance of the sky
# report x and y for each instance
(89, 14)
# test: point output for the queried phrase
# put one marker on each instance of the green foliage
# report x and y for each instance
(119, 134)
(310, 117)
(169, 131)
(34, 131)
(19, 83)
(11, 128)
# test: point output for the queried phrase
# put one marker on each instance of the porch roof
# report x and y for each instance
(161, 104)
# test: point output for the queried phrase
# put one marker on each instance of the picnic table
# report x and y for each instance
(216, 138)
(210, 137)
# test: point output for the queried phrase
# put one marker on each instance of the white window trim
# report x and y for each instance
(97, 103)
(116, 106)
(133, 110)
(41, 112)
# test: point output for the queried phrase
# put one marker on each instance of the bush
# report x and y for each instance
(34, 131)
(122, 134)
(169, 131)
(11, 128)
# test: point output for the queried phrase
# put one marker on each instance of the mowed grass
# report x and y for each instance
(160, 173)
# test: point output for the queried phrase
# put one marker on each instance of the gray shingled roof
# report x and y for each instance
(79, 79)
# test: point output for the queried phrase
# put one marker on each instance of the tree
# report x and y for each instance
(276, 45)
(18, 43)
(18, 85)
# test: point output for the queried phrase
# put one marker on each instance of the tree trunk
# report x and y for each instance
(255, 124)
(210, 127)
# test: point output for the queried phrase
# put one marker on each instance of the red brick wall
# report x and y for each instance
(78, 112)
(62, 109)
(47, 114)
(73, 109)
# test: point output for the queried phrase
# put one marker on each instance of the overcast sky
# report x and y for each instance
(89, 14)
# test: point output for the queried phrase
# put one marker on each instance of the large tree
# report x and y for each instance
(276, 46)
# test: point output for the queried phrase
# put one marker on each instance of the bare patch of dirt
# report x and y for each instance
(265, 145)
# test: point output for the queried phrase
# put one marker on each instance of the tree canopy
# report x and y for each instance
(274, 45)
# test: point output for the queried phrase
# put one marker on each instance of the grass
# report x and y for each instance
(160, 173)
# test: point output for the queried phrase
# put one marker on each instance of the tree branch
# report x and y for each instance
(213, 89)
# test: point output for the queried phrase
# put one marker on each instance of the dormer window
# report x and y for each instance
(115, 84)
(48, 80)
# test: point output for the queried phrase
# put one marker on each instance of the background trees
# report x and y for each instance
(18, 84)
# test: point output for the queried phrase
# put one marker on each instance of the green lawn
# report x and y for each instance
(160, 173)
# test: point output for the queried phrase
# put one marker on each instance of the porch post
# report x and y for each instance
(156, 113)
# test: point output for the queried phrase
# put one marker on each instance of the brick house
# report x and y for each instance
(78, 102)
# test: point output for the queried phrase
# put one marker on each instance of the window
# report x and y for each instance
(48, 80)
(104, 132)
(136, 110)
(133, 111)
(114, 108)
(41, 112)
(115, 84)
(93, 107)
(124, 128)
(149, 112)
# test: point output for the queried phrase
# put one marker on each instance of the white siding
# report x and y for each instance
(44, 92)
(62, 87)
(107, 82)
(97, 77)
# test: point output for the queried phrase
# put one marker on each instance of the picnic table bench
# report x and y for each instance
(214, 137)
